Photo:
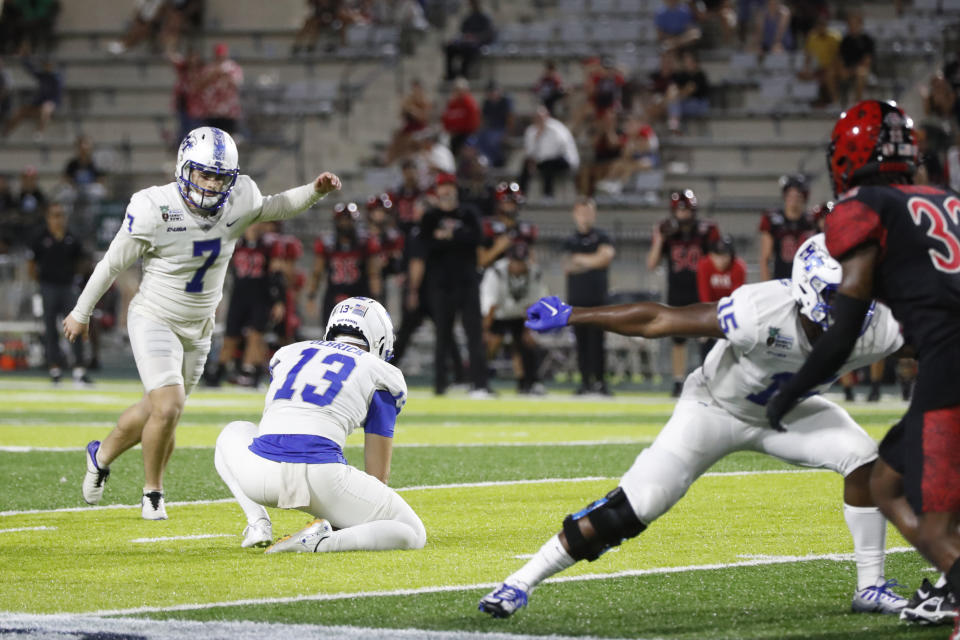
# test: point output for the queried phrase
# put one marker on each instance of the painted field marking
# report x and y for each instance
(465, 485)
(15, 529)
(199, 536)
(629, 573)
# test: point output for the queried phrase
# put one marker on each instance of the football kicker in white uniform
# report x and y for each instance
(185, 232)
(321, 391)
(768, 330)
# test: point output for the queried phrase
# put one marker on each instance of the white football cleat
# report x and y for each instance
(503, 601)
(95, 478)
(258, 534)
(878, 599)
(304, 541)
(152, 506)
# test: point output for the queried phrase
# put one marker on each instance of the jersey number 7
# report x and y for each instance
(201, 247)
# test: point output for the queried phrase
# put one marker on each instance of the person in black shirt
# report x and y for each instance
(692, 97)
(783, 230)
(55, 264)
(476, 30)
(451, 235)
(856, 55)
(44, 102)
(591, 252)
(86, 181)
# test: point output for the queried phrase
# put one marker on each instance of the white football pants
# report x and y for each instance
(369, 515)
(163, 357)
(818, 434)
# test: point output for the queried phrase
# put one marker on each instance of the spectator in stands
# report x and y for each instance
(772, 32)
(451, 235)
(461, 118)
(511, 285)
(148, 17)
(6, 92)
(45, 100)
(640, 153)
(939, 127)
(324, 15)
(497, 121)
(608, 143)
(692, 96)
(604, 90)
(415, 110)
(820, 57)
(782, 231)
(660, 87)
(180, 16)
(9, 215)
(476, 31)
(56, 262)
(856, 56)
(804, 15)
(505, 229)
(31, 203)
(676, 25)
(433, 157)
(718, 21)
(219, 87)
(549, 88)
(186, 90)
(549, 150)
(85, 182)
(681, 240)
(590, 254)
(36, 20)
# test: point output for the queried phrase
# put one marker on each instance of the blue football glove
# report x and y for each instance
(548, 313)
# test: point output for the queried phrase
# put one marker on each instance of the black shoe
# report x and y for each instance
(94, 365)
(874, 393)
(848, 394)
(930, 605)
(906, 390)
(601, 388)
(55, 374)
(677, 389)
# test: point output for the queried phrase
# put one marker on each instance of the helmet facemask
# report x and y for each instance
(211, 198)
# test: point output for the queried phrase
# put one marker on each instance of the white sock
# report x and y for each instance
(251, 509)
(379, 535)
(550, 559)
(96, 458)
(869, 530)
(941, 581)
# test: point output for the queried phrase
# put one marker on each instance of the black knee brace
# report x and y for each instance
(613, 522)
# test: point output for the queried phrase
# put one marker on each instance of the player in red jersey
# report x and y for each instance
(785, 229)
(349, 258)
(900, 243)
(683, 239)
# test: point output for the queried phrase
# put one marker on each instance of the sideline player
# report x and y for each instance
(682, 239)
(185, 231)
(321, 391)
(766, 330)
(783, 230)
(901, 243)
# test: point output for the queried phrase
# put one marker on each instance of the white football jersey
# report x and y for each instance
(766, 345)
(325, 388)
(186, 258)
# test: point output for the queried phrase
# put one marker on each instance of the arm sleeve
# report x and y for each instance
(570, 153)
(765, 223)
(123, 252)
(488, 290)
(289, 203)
(381, 414)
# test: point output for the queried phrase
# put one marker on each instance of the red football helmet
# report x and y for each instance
(346, 210)
(686, 199)
(510, 191)
(381, 201)
(870, 138)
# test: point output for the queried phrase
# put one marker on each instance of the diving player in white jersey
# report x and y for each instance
(768, 329)
(321, 391)
(185, 232)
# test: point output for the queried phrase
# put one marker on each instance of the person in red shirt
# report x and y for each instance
(461, 118)
(720, 272)
(219, 88)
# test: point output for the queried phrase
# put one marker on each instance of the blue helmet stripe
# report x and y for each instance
(219, 146)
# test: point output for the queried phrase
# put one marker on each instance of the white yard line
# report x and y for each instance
(199, 536)
(464, 485)
(15, 529)
(66, 626)
(630, 573)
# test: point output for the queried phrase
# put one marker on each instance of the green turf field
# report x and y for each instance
(757, 549)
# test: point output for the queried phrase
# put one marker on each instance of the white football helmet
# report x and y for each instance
(816, 276)
(366, 318)
(213, 152)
